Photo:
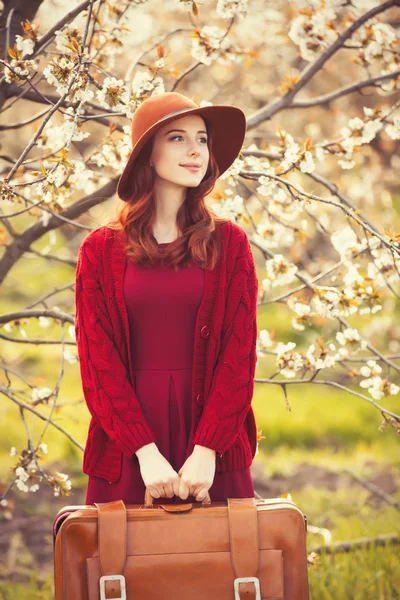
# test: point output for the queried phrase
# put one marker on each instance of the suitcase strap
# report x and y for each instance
(112, 549)
(244, 544)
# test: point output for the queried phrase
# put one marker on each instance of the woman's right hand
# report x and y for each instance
(158, 475)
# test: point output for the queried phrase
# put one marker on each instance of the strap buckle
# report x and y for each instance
(254, 580)
(119, 578)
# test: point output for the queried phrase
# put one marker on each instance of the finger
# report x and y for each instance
(176, 487)
(162, 491)
(154, 492)
(184, 490)
(195, 490)
(169, 491)
(201, 494)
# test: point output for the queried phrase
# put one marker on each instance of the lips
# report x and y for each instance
(191, 167)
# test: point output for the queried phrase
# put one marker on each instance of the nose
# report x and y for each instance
(193, 150)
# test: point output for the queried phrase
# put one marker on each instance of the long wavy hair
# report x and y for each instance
(199, 239)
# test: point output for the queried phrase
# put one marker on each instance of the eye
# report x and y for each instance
(204, 139)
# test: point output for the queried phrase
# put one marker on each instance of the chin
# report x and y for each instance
(194, 184)
(188, 181)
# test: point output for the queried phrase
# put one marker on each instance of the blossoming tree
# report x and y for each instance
(314, 183)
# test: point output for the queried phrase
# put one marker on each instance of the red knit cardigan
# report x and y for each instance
(224, 359)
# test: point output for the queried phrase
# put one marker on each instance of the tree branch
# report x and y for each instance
(23, 242)
(333, 384)
(374, 489)
(24, 406)
(327, 98)
(267, 112)
(378, 541)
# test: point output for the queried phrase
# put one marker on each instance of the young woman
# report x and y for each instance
(166, 331)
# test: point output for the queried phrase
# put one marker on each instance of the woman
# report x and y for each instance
(166, 319)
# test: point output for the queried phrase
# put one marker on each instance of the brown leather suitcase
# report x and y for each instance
(245, 548)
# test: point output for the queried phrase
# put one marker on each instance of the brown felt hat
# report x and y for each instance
(229, 125)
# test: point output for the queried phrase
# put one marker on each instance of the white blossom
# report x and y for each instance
(393, 129)
(376, 387)
(211, 44)
(351, 337)
(44, 322)
(231, 208)
(65, 36)
(320, 153)
(372, 368)
(317, 361)
(267, 187)
(59, 72)
(347, 162)
(307, 165)
(113, 93)
(19, 69)
(41, 393)
(61, 481)
(345, 242)
(43, 448)
(310, 33)
(292, 154)
(21, 474)
(357, 133)
(279, 272)
(226, 9)
(288, 362)
(206, 45)
(234, 169)
(24, 45)
(273, 235)
(69, 357)
(265, 338)
(143, 82)
(331, 302)
(303, 313)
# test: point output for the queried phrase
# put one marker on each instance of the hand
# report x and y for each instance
(158, 475)
(197, 473)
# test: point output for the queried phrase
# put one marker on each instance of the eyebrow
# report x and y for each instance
(184, 131)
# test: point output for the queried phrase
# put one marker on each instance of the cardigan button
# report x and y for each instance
(205, 331)
(199, 399)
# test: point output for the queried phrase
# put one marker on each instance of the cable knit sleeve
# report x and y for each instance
(108, 393)
(232, 386)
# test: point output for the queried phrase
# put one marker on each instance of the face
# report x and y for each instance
(181, 142)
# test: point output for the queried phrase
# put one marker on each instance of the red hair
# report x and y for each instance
(197, 223)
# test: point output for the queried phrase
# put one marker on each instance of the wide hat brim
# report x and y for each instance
(229, 130)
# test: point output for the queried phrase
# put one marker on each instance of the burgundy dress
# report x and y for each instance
(157, 299)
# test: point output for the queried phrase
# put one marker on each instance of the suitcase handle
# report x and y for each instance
(148, 500)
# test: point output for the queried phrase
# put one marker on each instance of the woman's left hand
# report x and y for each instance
(197, 473)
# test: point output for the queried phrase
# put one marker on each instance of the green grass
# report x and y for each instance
(321, 416)
(366, 575)
(34, 589)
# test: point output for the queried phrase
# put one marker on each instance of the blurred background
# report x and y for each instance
(323, 115)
